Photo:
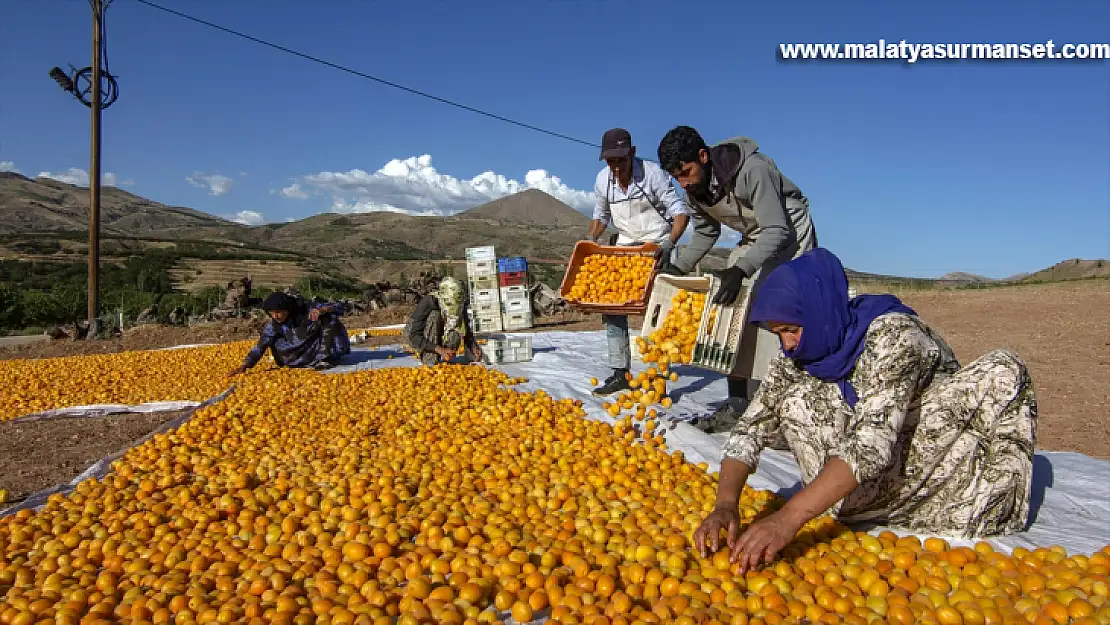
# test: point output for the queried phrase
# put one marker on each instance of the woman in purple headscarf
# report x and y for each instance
(884, 423)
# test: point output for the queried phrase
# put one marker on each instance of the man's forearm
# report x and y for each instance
(706, 233)
(833, 483)
(597, 227)
(679, 227)
(730, 484)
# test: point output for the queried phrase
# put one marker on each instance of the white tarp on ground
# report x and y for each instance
(1071, 492)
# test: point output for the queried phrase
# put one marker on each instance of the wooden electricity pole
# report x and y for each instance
(94, 175)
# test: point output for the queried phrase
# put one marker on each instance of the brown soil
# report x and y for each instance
(35, 455)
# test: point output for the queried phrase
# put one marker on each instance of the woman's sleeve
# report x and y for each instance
(757, 427)
(895, 357)
(265, 340)
(419, 322)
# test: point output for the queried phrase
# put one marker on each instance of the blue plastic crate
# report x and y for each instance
(512, 264)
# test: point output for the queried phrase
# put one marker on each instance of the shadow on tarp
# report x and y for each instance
(1042, 481)
(362, 356)
(701, 379)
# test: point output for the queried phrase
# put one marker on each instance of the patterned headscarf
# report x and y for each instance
(450, 297)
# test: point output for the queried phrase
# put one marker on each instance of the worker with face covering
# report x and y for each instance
(299, 334)
(437, 327)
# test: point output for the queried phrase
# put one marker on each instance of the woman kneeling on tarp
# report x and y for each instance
(885, 425)
(299, 334)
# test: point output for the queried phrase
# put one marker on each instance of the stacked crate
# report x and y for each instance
(516, 304)
(481, 279)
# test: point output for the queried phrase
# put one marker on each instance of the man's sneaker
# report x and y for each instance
(322, 365)
(613, 384)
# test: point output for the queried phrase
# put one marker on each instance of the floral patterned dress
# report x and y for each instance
(935, 447)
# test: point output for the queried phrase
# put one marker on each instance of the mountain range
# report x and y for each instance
(530, 223)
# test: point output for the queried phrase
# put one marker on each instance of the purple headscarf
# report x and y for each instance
(811, 291)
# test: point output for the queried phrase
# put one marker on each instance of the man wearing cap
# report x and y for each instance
(637, 199)
(734, 184)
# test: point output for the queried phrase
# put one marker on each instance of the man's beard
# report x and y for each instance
(700, 189)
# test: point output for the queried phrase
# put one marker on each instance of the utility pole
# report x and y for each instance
(97, 99)
(94, 174)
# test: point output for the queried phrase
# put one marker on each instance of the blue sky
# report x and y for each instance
(981, 166)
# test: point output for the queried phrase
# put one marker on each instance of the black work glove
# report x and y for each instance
(732, 279)
(668, 268)
(666, 246)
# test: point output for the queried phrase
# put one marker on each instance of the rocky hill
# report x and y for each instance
(962, 276)
(1073, 269)
(45, 205)
(529, 207)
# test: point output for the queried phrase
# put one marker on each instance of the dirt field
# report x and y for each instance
(1061, 330)
(40, 454)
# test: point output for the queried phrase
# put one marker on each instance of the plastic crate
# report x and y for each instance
(512, 264)
(483, 309)
(519, 278)
(585, 248)
(513, 306)
(481, 283)
(484, 296)
(481, 268)
(488, 323)
(717, 347)
(484, 252)
(519, 291)
(517, 321)
(501, 349)
(659, 306)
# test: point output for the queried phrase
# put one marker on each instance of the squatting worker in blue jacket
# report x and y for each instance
(637, 198)
(734, 184)
(299, 334)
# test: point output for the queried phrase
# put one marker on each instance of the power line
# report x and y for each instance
(367, 76)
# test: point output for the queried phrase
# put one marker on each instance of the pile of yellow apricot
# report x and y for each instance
(129, 378)
(611, 279)
(674, 340)
(443, 495)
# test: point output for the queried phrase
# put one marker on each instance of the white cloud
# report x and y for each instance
(413, 186)
(80, 178)
(8, 166)
(215, 183)
(249, 218)
(294, 191)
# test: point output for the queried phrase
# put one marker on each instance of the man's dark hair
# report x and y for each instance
(680, 146)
